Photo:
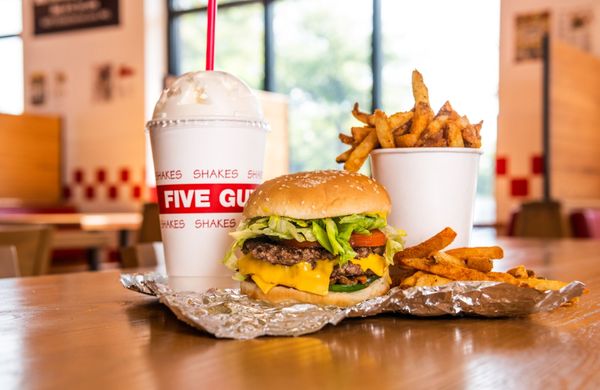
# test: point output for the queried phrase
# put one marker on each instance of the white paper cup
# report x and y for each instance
(208, 144)
(430, 189)
(205, 172)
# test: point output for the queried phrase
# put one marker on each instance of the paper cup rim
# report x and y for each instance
(440, 150)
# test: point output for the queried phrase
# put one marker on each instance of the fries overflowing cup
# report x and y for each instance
(428, 162)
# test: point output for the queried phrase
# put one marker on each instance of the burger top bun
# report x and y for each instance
(318, 194)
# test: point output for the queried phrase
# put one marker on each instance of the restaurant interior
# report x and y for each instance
(66, 95)
(78, 193)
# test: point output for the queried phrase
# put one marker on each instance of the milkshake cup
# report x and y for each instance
(208, 139)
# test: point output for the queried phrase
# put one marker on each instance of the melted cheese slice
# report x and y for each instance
(301, 276)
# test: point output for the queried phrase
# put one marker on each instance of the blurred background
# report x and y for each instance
(95, 68)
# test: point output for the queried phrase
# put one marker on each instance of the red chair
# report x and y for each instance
(585, 223)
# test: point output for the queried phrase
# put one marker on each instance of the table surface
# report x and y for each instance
(65, 331)
(87, 221)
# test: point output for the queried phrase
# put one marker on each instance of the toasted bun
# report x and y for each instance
(280, 294)
(318, 194)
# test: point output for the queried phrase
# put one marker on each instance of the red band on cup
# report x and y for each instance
(203, 198)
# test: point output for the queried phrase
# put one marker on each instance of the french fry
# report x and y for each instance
(384, 131)
(544, 284)
(519, 272)
(445, 258)
(398, 119)
(406, 140)
(482, 264)
(446, 270)
(421, 119)
(418, 127)
(346, 139)
(502, 277)
(490, 252)
(420, 91)
(471, 134)
(359, 133)
(362, 116)
(421, 278)
(361, 152)
(426, 248)
(344, 156)
(455, 138)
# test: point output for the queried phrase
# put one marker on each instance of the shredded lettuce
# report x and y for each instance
(332, 233)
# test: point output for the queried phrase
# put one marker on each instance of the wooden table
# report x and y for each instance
(89, 230)
(85, 330)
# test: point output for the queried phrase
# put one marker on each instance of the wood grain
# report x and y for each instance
(85, 330)
(575, 120)
(30, 158)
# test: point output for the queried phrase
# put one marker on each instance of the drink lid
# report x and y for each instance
(213, 95)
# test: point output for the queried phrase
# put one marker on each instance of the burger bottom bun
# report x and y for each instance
(280, 294)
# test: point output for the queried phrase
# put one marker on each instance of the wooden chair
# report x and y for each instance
(9, 266)
(539, 220)
(32, 243)
(147, 254)
(150, 228)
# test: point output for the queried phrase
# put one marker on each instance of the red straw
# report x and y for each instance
(210, 35)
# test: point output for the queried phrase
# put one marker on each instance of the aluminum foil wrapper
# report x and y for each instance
(226, 313)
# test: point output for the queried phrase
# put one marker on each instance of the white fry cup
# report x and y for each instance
(430, 189)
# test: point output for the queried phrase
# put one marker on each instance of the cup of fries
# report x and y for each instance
(428, 163)
(430, 188)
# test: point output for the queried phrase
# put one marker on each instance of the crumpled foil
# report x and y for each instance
(226, 313)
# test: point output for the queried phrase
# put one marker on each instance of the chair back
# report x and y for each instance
(147, 254)
(32, 243)
(539, 220)
(9, 267)
(150, 228)
(585, 223)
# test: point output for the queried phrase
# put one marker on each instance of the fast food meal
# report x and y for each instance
(426, 264)
(418, 127)
(315, 237)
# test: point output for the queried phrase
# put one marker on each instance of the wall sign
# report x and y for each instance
(530, 30)
(52, 16)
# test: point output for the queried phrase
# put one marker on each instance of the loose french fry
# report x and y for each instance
(490, 252)
(421, 278)
(445, 258)
(361, 152)
(482, 264)
(362, 116)
(384, 131)
(544, 284)
(449, 271)
(346, 139)
(400, 118)
(359, 133)
(426, 248)
(503, 277)
(344, 156)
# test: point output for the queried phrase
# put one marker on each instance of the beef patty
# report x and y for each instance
(278, 254)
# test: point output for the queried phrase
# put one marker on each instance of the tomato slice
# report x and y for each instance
(301, 245)
(376, 238)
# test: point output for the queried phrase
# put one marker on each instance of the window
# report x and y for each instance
(11, 49)
(320, 54)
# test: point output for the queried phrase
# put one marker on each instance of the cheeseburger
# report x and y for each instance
(316, 237)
